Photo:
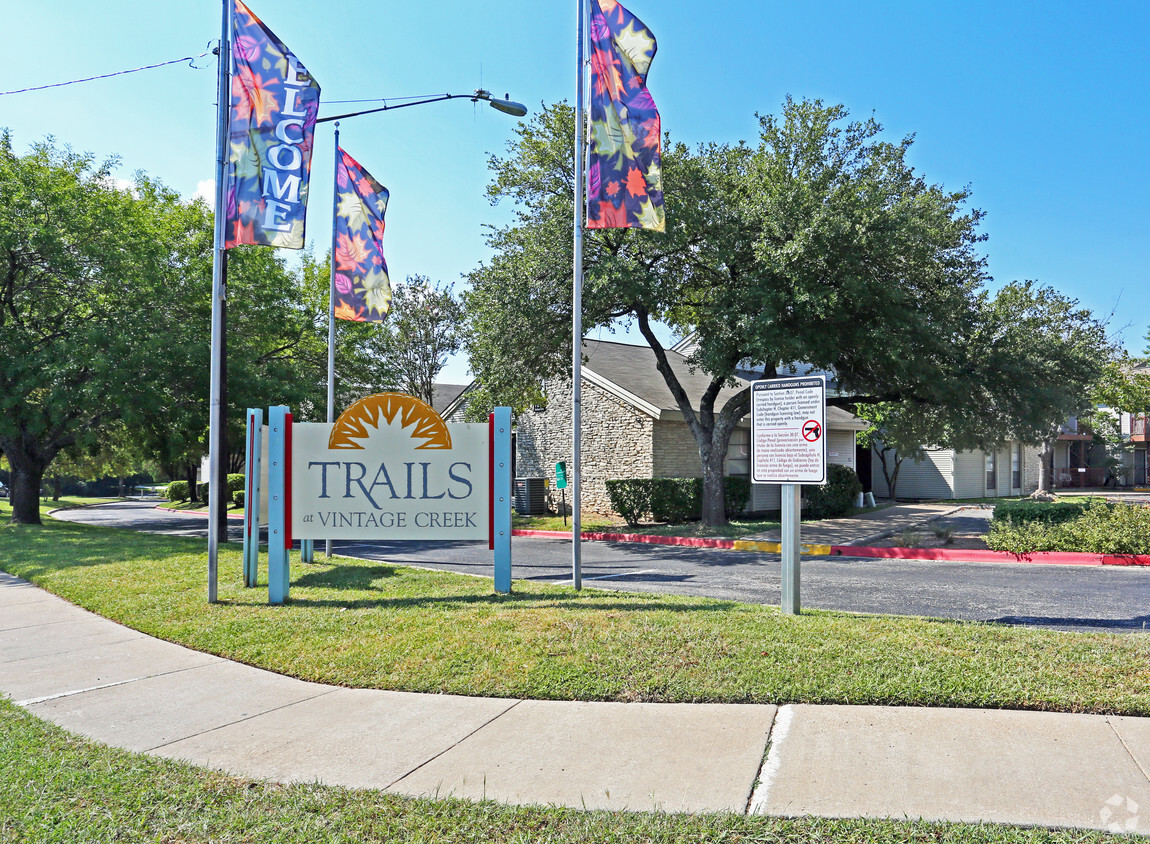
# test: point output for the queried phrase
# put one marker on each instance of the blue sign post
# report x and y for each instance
(501, 504)
(252, 496)
(279, 477)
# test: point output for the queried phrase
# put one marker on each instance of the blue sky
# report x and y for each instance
(1042, 110)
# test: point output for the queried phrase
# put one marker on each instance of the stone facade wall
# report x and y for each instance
(616, 442)
(676, 454)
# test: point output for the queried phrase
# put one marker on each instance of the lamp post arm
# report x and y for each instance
(480, 94)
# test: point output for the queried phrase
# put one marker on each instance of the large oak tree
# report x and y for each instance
(820, 246)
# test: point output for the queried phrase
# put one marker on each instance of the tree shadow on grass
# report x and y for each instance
(30, 551)
(359, 579)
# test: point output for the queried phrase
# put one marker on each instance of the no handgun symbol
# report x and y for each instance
(812, 430)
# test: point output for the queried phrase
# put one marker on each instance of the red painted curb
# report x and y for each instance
(688, 541)
(1049, 558)
(1057, 558)
(1126, 560)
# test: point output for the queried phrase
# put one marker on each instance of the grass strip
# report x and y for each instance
(381, 625)
(56, 787)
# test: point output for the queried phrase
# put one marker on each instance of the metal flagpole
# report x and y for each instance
(577, 314)
(331, 304)
(219, 296)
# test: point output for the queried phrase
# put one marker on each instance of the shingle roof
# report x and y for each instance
(632, 369)
(444, 394)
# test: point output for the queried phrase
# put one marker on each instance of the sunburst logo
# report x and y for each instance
(356, 424)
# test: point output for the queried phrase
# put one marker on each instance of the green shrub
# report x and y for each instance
(177, 491)
(672, 500)
(676, 500)
(630, 498)
(235, 484)
(736, 494)
(835, 497)
(1025, 511)
(202, 491)
(1100, 528)
(238, 498)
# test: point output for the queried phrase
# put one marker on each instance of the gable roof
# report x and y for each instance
(444, 395)
(628, 372)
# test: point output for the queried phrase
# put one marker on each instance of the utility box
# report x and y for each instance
(531, 496)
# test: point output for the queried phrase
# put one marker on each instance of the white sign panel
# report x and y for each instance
(387, 479)
(788, 431)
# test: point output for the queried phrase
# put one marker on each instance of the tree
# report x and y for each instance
(820, 246)
(423, 328)
(1037, 358)
(898, 430)
(82, 278)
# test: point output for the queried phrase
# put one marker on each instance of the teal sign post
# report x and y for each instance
(561, 485)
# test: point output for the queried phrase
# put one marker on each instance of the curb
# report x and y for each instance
(688, 541)
(1056, 558)
(195, 512)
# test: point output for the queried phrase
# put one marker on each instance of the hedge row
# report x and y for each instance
(178, 490)
(1099, 528)
(672, 500)
(1025, 511)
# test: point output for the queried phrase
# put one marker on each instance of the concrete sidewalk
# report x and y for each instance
(104, 681)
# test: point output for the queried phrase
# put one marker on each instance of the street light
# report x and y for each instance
(504, 105)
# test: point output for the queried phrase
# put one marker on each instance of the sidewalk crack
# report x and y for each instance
(427, 762)
(762, 763)
(1126, 747)
(240, 720)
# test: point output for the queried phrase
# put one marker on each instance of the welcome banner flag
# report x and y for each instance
(624, 177)
(362, 287)
(271, 132)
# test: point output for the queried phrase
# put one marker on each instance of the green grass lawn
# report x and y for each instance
(55, 787)
(380, 625)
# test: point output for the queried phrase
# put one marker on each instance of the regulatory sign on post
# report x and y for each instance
(788, 430)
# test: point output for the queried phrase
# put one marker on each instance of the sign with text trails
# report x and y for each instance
(390, 468)
(788, 430)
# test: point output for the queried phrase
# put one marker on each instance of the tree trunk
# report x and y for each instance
(1045, 469)
(190, 476)
(56, 484)
(26, 478)
(894, 476)
(714, 511)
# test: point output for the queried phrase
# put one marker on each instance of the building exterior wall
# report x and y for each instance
(931, 477)
(945, 473)
(616, 442)
(675, 454)
(841, 448)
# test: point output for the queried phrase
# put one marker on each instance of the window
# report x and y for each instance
(991, 471)
(1016, 467)
(739, 453)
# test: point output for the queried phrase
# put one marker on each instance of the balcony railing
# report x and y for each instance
(1138, 426)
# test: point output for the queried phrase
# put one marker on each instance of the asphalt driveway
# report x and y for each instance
(1114, 599)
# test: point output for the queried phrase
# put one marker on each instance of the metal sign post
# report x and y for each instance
(788, 447)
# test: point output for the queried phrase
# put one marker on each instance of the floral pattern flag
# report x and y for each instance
(271, 133)
(362, 288)
(624, 176)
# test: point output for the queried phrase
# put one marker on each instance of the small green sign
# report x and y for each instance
(561, 475)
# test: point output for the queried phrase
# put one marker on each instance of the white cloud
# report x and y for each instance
(205, 190)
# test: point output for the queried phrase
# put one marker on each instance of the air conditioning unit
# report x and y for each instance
(531, 496)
